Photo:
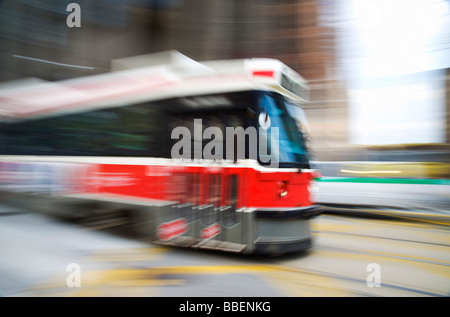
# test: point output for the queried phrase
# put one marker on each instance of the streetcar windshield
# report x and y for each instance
(283, 146)
(276, 112)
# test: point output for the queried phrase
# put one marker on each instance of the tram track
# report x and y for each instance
(378, 237)
(343, 283)
(420, 215)
(412, 256)
(379, 242)
(359, 227)
(351, 286)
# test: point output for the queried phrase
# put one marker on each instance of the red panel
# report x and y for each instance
(194, 184)
(263, 73)
(264, 189)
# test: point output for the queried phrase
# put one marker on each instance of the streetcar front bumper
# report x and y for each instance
(283, 230)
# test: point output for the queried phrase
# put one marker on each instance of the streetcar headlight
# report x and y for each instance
(282, 190)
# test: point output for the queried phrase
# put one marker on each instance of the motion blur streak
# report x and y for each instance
(50, 62)
(372, 78)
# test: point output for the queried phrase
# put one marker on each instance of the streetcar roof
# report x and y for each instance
(141, 79)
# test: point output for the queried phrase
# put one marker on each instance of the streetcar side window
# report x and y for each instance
(27, 138)
(138, 129)
(3, 137)
(134, 130)
(220, 111)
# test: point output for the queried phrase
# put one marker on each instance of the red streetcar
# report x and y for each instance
(204, 155)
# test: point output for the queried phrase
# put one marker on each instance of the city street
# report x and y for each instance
(351, 256)
(192, 149)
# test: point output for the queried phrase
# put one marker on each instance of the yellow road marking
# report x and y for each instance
(299, 283)
(290, 282)
(143, 280)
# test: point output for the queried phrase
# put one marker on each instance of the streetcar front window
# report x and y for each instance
(276, 112)
(243, 125)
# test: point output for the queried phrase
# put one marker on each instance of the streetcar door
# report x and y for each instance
(230, 217)
(210, 227)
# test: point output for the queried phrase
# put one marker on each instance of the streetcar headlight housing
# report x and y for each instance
(282, 189)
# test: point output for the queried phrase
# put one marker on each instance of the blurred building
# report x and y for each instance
(203, 30)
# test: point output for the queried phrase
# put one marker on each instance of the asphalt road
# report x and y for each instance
(352, 256)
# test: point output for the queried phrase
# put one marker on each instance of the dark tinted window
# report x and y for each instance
(136, 130)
